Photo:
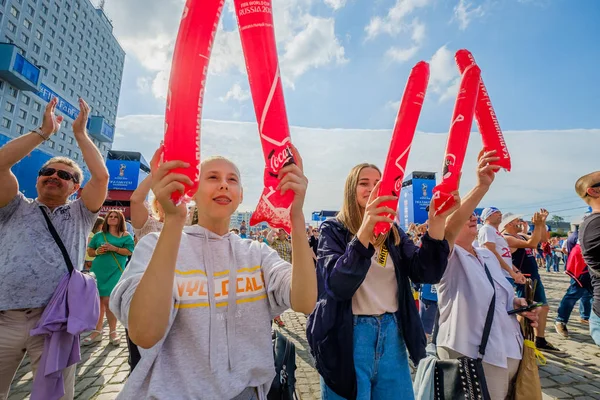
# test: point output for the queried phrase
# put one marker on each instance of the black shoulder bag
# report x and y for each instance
(463, 378)
(58, 241)
(284, 384)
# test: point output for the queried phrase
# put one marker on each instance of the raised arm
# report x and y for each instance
(94, 192)
(271, 236)
(15, 150)
(485, 177)
(303, 294)
(152, 301)
(137, 206)
(539, 221)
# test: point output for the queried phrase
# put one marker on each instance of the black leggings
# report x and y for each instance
(134, 352)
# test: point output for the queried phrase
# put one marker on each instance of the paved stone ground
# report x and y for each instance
(572, 375)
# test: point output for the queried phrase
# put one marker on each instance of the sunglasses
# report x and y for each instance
(64, 175)
(595, 185)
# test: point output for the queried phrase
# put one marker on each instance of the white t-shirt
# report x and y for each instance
(487, 234)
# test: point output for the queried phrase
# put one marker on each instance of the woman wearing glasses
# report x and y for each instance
(111, 247)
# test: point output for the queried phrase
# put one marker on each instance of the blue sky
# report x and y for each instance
(345, 63)
(539, 60)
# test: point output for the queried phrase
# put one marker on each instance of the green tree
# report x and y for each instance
(557, 219)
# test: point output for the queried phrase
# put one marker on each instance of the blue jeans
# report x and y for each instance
(595, 327)
(550, 262)
(573, 294)
(380, 361)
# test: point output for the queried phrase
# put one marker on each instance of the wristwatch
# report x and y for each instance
(39, 132)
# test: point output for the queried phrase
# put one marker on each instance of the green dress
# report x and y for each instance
(109, 267)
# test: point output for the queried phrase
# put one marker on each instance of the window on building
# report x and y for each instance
(50, 143)
(61, 148)
(49, 44)
(68, 152)
(13, 92)
(68, 6)
(11, 27)
(61, 42)
(24, 38)
(22, 114)
(54, 78)
(56, 66)
(76, 156)
(27, 23)
(63, 135)
(10, 107)
(25, 99)
(39, 35)
(63, 86)
(59, 54)
(47, 57)
(63, 29)
(45, 70)
(37, 106)
(42, 22)
(52, 32)
(44, 9)
(20, 129)
(30, 10)
(71, 91)
(9, 40)
(6, 123)
(15, 13)
(35, 120)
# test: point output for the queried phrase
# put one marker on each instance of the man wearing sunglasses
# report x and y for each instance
(31, 264)
(588, 188)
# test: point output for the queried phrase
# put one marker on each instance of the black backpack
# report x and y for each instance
(284, 384)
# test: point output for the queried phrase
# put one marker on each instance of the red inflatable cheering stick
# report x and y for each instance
(485, 116)
(402, 137)
(458, 139)
(186, 87)
(255, 21)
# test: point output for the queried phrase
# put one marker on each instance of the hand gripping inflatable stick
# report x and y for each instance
(255, 21)
(186, 88)
(486, 119)
(458, 139)
(402, 137)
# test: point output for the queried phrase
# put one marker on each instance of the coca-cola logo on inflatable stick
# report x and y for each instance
(458, 139)
(486, 119)
(255, 21)
(402, 137)
(186, 87)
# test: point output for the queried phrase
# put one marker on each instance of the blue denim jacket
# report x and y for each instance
(342, 266)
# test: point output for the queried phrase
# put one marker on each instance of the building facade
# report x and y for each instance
(64, 49)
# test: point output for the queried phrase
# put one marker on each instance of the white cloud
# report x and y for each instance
(444, 78)
(464, 12)
(236, 93)
(393, 23)
(401, 55)
(147, 30)
(143, 84)
(336, 4)
(314, 47)
(338, 150)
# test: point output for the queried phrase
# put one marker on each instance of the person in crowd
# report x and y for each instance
(313, 242)
(243, 232)
(97, 227)
(490, 238)
(29, 278)
(110, 247)
(580, 289)
(588, 188)
(280, 242)
(200, 301)
(366, 316)
(143, 220)
(548, 257)
(521, 247)
(473, 277)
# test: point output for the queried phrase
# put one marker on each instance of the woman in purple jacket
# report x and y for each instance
(366, 317)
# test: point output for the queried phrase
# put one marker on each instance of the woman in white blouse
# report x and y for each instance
(465, 293)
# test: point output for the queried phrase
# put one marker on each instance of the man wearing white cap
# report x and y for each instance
(521, 247)
(490, 238)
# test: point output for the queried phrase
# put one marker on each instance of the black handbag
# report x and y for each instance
(464, 378)
(284, 383)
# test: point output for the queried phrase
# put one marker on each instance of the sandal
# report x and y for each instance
(116, 340)
(93, 338)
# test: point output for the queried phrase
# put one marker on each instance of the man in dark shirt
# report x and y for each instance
(588, 188)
